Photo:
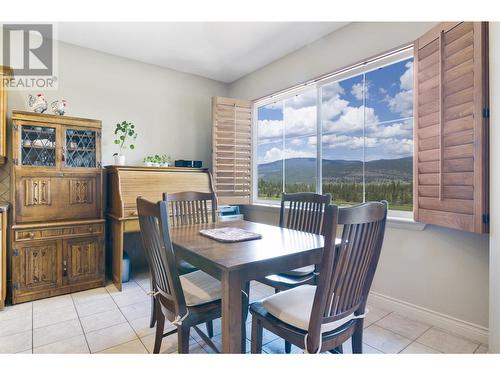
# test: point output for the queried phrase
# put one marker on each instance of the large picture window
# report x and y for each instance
(351, 136)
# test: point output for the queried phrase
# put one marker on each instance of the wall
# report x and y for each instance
(495, 193)
(171, 110)
(437, 269)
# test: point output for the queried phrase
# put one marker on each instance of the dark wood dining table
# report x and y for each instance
(237, 263)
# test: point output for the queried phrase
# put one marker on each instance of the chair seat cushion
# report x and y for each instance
(294, 307)
(299, 272)
(199, 288)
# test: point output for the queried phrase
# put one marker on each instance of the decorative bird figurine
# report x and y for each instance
(37, 103)
(59, 107)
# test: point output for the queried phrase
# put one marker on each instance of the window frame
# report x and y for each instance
(366, 66)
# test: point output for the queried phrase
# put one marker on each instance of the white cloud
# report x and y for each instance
(297, 142)
(357, 91)
(402, 103)
(268, 129)
(300, 121)
(275, 154)
(351, 120)
(406, 80)
(332, 90)
(397, 130)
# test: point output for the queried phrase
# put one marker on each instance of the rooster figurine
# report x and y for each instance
(37, 103)
(59, 107)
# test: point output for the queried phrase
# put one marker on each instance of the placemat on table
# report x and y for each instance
(230, 234)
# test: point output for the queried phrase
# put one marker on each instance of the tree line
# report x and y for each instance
(399, 194)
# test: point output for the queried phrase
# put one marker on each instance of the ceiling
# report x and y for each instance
(224, 51)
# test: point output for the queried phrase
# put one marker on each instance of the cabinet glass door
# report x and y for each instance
(38, 146)
(80, 148)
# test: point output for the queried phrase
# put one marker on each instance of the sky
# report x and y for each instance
(386, 119)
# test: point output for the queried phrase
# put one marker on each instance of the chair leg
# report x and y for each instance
(338, 350)
(245, 301)
(288, 347)
(357, 338)
(210, 328)
(152, 320)
(276, 290)
(183, 339)
(160, 324)
(257, 329)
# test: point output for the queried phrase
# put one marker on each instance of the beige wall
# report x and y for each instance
(171, 110)
(442, 270)
(495, 192)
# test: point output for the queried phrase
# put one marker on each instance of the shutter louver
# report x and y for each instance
(450, 132)
(232, 150)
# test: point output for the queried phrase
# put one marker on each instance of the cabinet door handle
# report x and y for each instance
(65, 268)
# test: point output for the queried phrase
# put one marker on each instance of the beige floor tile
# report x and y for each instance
(56, 332)
(19, 342)
(126, 287)
(375, 313)
(137, 310)
(264, 289)
(102, 320)
(22, 310)
(13, 326)
(197, 349)
(255, 295)
(168, 344)
(49, 304)
(131, 347)
(446, 342)
(278, 347)
(57, 315)
(95, 307)
(29, 351)
(384, 340)
(417, 348)
(131, 298)
(367, 349)
(73, 345)
(111, 336)
(403, 326)
(483, 349)
(90, 295)
(141, 326)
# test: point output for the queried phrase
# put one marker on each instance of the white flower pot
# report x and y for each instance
(148, 164)
(119, 159)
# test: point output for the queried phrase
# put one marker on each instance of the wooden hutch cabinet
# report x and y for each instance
(57, 241)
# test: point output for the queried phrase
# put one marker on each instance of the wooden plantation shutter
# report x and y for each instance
(232, 149)
(450, 132)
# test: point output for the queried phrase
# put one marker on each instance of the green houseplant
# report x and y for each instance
(125, 135)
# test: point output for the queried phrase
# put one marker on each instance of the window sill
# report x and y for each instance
(396, 220)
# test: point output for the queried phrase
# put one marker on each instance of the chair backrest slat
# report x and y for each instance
(154, 225)
(305, 211)
(191, 207)
(347, 270)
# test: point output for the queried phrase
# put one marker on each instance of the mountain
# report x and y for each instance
(303, 170)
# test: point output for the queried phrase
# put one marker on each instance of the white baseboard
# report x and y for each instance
(459, 327)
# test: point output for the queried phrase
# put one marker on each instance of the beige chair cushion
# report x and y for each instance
(302, 271)
(294, 307)
(200, 288)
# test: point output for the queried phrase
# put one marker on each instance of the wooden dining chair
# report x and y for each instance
(320, 318)
(305, 213)
(186, 208)
(185, 300)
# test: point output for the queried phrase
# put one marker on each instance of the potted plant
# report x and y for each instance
(166, 160)
(148, 161)
(125, 135)
(156, 160)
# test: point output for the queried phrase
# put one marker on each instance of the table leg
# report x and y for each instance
(231, 313)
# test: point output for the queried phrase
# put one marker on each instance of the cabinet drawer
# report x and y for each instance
(36, 234)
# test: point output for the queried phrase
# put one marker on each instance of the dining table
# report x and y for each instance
(235, 264)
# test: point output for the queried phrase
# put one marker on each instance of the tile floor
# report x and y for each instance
(104, 320)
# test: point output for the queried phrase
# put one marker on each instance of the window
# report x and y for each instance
(350, 135)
